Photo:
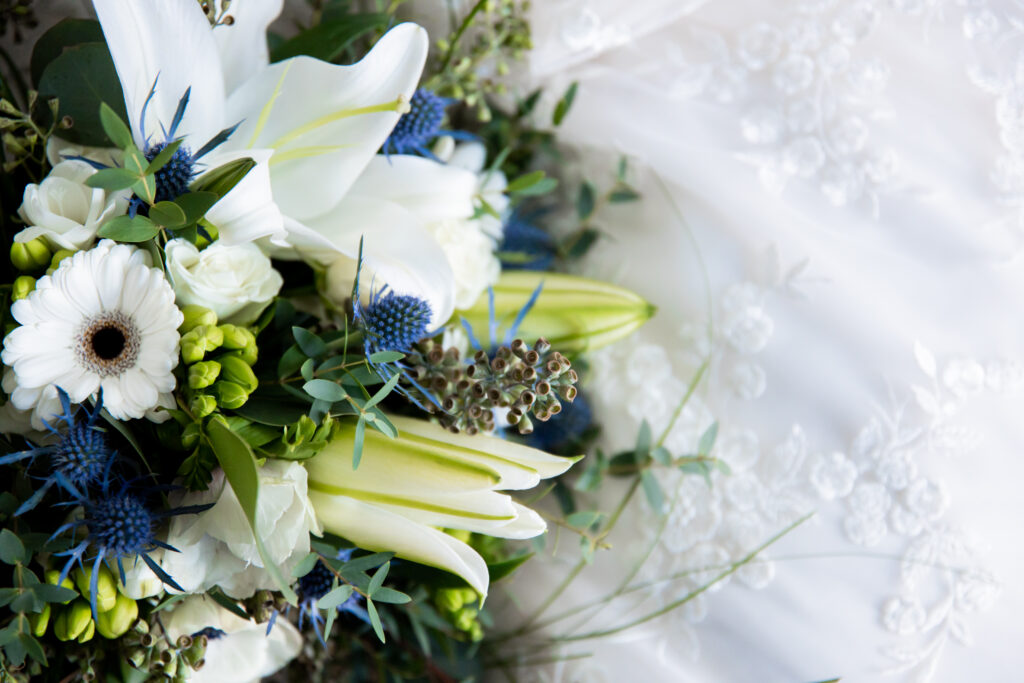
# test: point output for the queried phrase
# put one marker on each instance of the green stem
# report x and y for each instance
(466, 23)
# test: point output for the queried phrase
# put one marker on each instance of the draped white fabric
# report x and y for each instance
(843, 182)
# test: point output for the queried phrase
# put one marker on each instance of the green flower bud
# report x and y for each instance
(31, 255)
(23, 286)
(249, 354)
(476, 632)
(52, 577)
(57, 258)
(572, 313)
(106, 587)
(40, 621)
(469, 596)
(299, 432)
(199, 341)
(190, 435)
(196, 316)
(203, 374)
(230, 395)
(116, 622)
(72, 622)
(202, 405)
(214, 337)
(236, 337)
(465, 618)
(448, 600)
(238, 371)
(86, 635)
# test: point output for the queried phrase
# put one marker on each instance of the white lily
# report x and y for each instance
(311, 127)
(425, 478)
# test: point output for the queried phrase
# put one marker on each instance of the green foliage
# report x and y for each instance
(329, 40)
(82, 78)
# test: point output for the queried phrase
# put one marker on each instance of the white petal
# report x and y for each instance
(430, 190)
(170, 39)
(243, 44)
(248, 212)
(306, 110)
(373, 528)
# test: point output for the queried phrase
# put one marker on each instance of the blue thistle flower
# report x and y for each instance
(523, 237)
(394, 322)
(80, 459)
(419, 126)
(317, 583)
(173, 178)
(564, 429)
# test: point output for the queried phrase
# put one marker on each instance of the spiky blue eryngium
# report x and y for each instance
(522, 237)
(394, 322)
(121, 523)
(417, 127)
(79, 459)
(173, 178)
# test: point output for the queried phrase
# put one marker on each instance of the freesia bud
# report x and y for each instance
(40, 621)
(203, 405)
(31, 255)
(196, 316)
(572, 313)
(203, 374)
(106, 587)
(230, 395)
(23, 286)
(116, 622)
(238, 371)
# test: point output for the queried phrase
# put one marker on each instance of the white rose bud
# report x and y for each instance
(65, 211)
(235, 282)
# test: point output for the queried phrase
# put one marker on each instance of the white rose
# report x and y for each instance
(216, 547)
(470, 253)
(65, 211)
(240, 650)
(236, 282)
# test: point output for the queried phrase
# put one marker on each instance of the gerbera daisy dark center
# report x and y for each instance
(108, 344)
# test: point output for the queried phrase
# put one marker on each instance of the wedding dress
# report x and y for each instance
(832, 214)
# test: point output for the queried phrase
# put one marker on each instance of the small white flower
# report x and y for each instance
(104, 320)
(239, 650)
(235, 281)
(217, 546)
(470, 253)
(65, 211)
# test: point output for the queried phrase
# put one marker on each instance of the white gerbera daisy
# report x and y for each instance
(104, 320)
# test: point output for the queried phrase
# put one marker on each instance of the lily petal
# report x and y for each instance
(248, 212)
(377, 529)
(325, 122)
(170, 40)
(432, 191)
(243, 44)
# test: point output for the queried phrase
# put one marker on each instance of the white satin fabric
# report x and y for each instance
(835, 187)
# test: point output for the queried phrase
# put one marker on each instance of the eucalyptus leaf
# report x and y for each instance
(328, 40)
(115, 128)
(378, 578)
(82, 78)
(371, 610)
(564, 104)
(336, 597)
(167, 214)
(391, 596)
(655, 496)
(163, 156)
(383, 391)
(310, 344)
(499, 570)
(707, 439)
(64, 34)
(128, 229)
(324, 390)
(305, 565)
(386, 356)
(195, 204)
(112, 179)
(12, 550)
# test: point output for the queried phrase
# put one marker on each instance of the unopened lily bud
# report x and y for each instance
(238, 371)
(230, 395)
(236, 337)
(572, 313)
(115, 623)
(40, 621)
(202, 405)
(86, 635)
(57, 258)
(106, 587)
(53, 578)
(71, 623)
(203, 374)
(23, 286)
(196, 316)
(31, 255)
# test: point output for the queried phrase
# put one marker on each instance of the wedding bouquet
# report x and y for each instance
(279, 345)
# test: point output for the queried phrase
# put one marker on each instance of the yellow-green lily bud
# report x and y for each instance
(203, 374)
(238, 371)
(449, 600)
(73, 621)
(236, 337)
(196, 316)
(116, 622)
(52, 578)
(31, 255)
(230, 395)
(202, 405)
(40, 621)
(573, 313)
(86, 635)
(23, 286)
(57, 258)
(106, 587)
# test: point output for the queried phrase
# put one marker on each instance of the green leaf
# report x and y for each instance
(592, 475)
(564, 104)
(274, 409)
(161, 159)
(115, 128)
(27, 602)
(499, 570)
(620, 172)
(239, 467)
(195, 204)
(585, 201)
(324, 390)
(127, 229)
(391, 596)
(623, 194)
(310, 344)
(228, 603)
(383, 391)
(329, 39)
(112, 179)
(307, 369)
(223, 179)
(707, 439)
(643, 442)
(306, 565)
(12, 550)
(361, 564)
(580, 242)
(584, 519)
(652, 490)
(524, 181)
(378, 578)
(336, 597)
(32, 647)
(145, 189)
(82, 78)
(371, 610)
(167, 214)
(661, 455)
(386, 356)
(357, 443)
(64, 34)
(50, 593)
(527, 106)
